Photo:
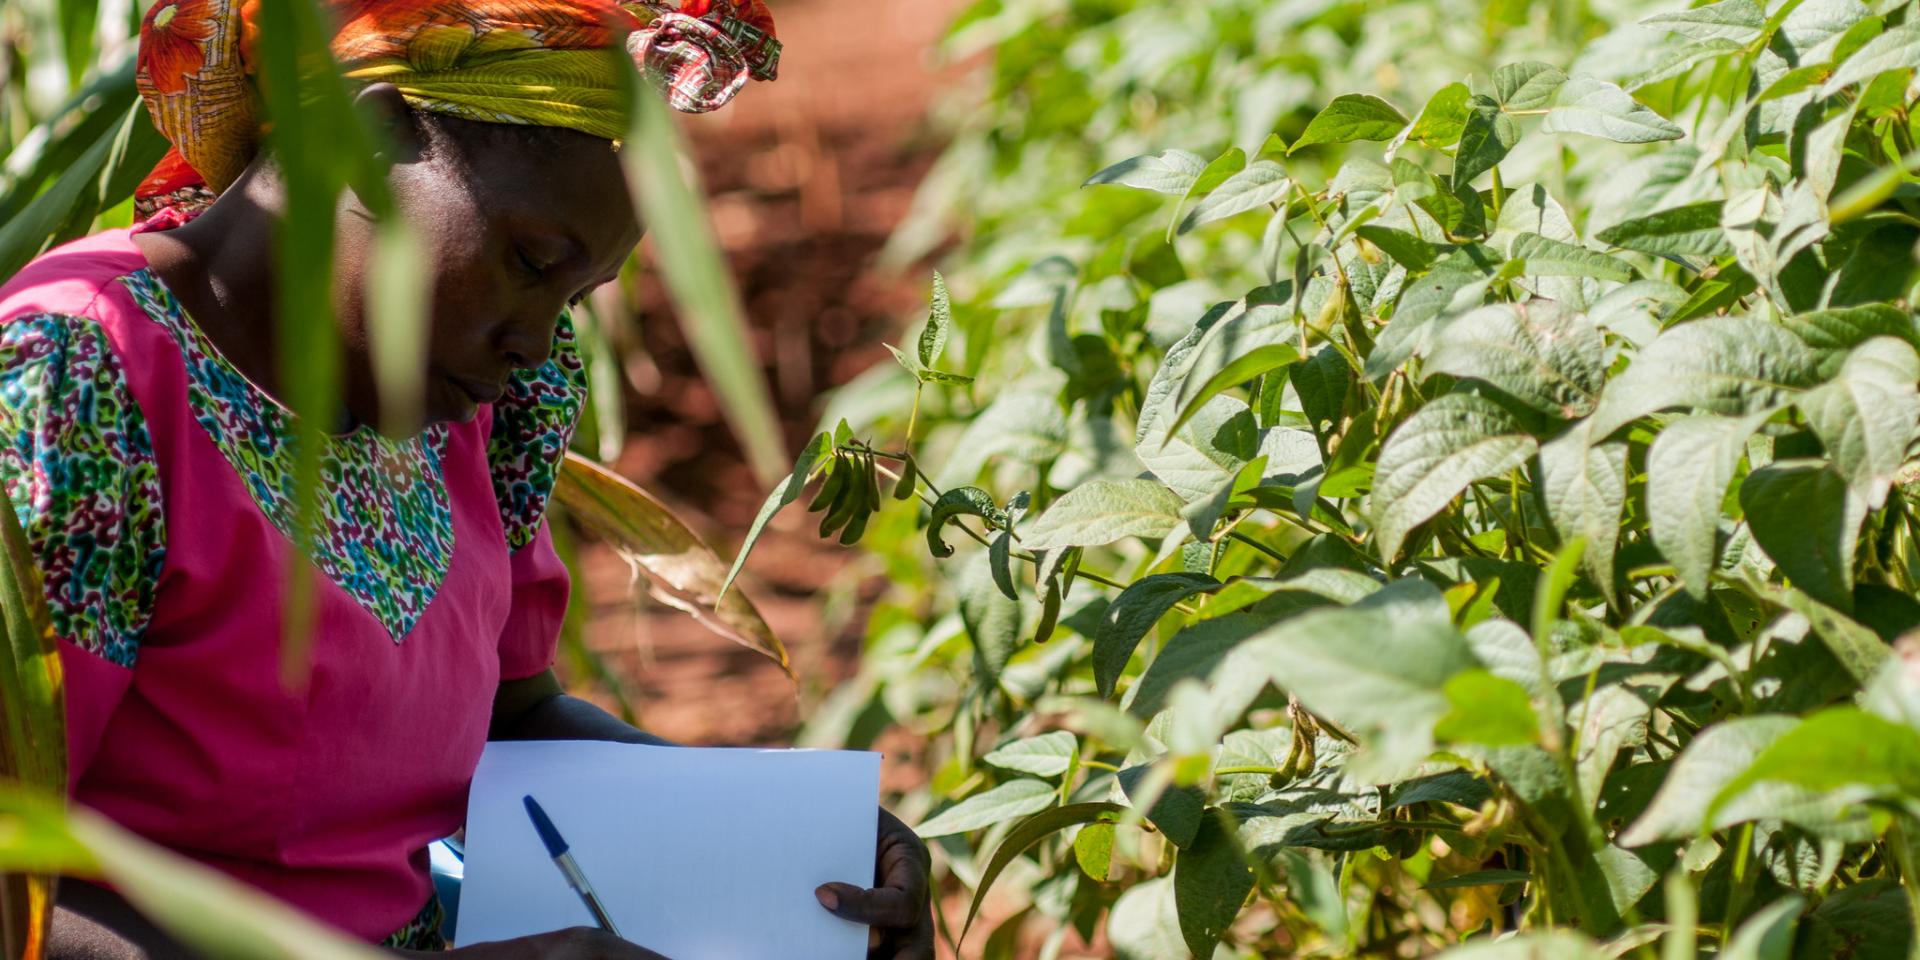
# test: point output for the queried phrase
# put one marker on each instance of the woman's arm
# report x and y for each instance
(536, 709)
(93, 923)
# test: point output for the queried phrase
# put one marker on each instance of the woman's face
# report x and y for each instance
(516, 224)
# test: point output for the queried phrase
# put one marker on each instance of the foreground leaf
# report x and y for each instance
(1132, 614)
(1688, 469)
(1103, 511)
(789, 490)
(1210, 883)
(1584, 486)
(1352, 116)
(1730, 365)
(682, 571)
(33, 728)
(1378, 668)
(1834, 749)
(1440, 450)
(1015, 798)
(1263, 182)
(1600, 109)
(1807, 518)
(1710, 761)
(1022, 838)
(1693, 230)
(1865, 417)
(1047, 755)
(1172, 172)
(1539, 353)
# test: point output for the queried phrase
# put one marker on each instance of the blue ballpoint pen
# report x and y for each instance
(557, 849)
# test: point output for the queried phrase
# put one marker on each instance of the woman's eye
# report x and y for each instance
(576, 299)
(529, 263)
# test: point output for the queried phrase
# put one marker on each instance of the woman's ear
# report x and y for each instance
(388, 114)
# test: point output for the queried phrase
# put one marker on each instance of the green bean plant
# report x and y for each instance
(1520, 561)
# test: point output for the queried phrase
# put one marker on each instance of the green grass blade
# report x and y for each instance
(696, 277)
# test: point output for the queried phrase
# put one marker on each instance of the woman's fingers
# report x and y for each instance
(902, 860)
(881, 907)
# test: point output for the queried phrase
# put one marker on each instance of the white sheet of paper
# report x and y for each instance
(697, 853)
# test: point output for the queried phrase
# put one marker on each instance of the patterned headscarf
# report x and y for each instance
(539, 62)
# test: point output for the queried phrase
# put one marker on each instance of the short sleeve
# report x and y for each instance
(532, 425)
(77, 464)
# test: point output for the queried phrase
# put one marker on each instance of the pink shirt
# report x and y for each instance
(154, 483)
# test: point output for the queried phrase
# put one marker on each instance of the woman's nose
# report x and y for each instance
(527, 344)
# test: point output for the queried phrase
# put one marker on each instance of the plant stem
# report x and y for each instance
(1257, 545)
(1742, 882)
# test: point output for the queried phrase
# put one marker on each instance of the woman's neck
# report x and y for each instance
(220, 266)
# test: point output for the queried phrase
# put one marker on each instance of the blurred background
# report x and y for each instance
(807, 178)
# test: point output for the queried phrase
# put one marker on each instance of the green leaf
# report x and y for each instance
(1015, 798)
(1737, 20)
(1693, 230)
(958, 502)
(1897, 49)
(1837, 748)
(1486, 137)
(1405, 248)
(1102, 511)
(28, 233)
(1433, 456)
(1806, 517)
(1093, 850)
(1047, 755)
(993, 620)
(1871, 920)
(1866, 416)
(1768, 934)
(1552, 258)
(1022, 838)
(1350, 117)
(933, 339)
(1528, 85)
(1729, 365)
(681, 570)
(1255, 362)
(1263, 182)
(1689, 466)
(1488, 710)
(1710, 761)
(1144, 923)
(817, 449)
(1210, 179)
(208, 912)
(1584, 486)
(1172, 172)
(1210, 883)
(1680, 60)
(1132, 614)
(1554, 945)
(1441, 120)
(1600, 109)
(1833, 333)
(1174, 811)
(1539, 353)
(697, 279)
(1378, 668)
(1859, 651)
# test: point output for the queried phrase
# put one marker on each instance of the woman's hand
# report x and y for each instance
(899, 908)
(577, 943)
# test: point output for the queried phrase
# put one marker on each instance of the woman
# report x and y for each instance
(154, 470)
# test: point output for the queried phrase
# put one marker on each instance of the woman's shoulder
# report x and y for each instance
(74, 279)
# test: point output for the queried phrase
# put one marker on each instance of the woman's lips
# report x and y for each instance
(480, 391)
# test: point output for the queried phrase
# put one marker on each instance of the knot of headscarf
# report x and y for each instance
(539, 62)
